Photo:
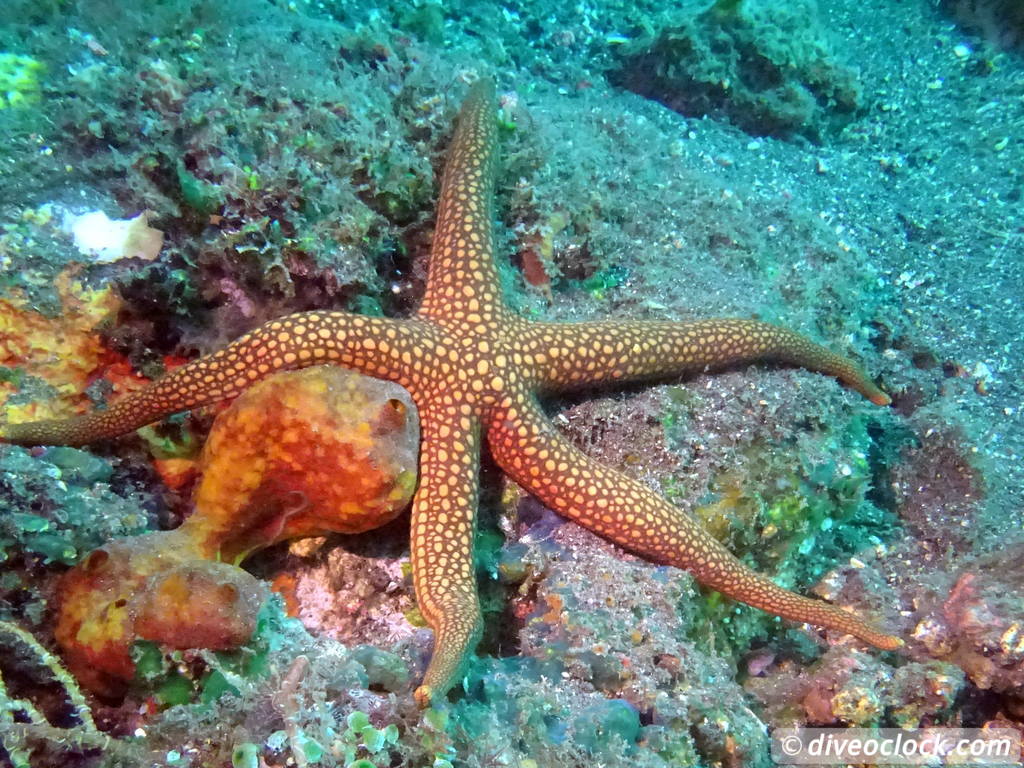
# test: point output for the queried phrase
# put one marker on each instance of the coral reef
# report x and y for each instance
(290, 152)
(845, 687)
(973, 618)
(283, 207)
(476, 366)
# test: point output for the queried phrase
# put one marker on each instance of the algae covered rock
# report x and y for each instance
(59, 505)
(765, 66)
(999, 22)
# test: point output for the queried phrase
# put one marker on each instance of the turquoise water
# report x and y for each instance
(850, 170)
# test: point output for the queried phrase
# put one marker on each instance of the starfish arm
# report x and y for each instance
(528, 448)
(441, 542)
(463, 287)
(371, 345)
(577, 354)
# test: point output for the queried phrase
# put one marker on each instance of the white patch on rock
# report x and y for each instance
(107, 240)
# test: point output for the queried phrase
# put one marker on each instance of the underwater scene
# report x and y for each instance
(510, 383)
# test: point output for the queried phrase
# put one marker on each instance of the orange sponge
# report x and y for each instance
(300, 454)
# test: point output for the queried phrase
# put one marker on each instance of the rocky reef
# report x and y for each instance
(288, 155)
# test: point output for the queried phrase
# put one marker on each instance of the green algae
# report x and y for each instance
(73, 509)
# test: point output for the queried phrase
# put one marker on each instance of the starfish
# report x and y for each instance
(474, 370)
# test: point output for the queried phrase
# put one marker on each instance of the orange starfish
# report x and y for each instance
(473, 369)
